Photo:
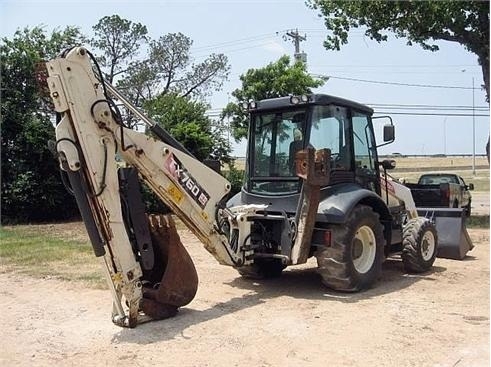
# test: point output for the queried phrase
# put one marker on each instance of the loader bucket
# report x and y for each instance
(453, 240)
(173, 281)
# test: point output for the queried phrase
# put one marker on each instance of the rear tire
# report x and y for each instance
(262, 269)
(353, 262)
(419, 241)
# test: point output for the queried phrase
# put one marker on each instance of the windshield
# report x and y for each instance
(329, 130)
(277, 137)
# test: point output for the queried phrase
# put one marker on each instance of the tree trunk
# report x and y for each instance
(484, 62)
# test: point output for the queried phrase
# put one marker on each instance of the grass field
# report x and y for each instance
(42, 255)
(434, 162)
(411, 168)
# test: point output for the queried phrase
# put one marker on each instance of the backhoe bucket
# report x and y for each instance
(453, 240)
(173, 281)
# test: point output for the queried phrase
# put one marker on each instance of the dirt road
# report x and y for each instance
(480, 203)
(439, 319)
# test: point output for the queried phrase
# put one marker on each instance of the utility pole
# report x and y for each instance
(445, 136)
(473, 132)
(296, 39)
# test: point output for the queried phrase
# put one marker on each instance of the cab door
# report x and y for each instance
(365, 152)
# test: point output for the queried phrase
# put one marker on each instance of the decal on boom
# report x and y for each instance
(187, 182)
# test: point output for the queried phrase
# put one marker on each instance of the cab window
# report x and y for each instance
(329, 130)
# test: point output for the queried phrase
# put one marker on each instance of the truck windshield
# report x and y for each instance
(277, 137)
(436, 179)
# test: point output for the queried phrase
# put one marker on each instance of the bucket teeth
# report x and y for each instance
(173, 281)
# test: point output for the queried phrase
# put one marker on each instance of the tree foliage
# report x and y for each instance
(420, 22)
(169, 68)
(31, 187)
(119, 40)
(277, 79)
(186, 121)
(236, 179)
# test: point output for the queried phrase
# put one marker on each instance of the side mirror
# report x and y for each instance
(471, 186)
(388, 129)
(389, 133)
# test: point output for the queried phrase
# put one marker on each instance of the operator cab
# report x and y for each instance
(280, 127)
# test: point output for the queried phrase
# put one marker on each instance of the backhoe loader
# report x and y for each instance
(314, 188)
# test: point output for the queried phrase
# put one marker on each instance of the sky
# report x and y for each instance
(251, 34)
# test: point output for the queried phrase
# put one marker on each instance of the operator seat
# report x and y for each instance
(295, 146)
(343, 159)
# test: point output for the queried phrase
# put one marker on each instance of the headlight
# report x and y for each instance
(251, 105)
(294, 100)
(297, 99)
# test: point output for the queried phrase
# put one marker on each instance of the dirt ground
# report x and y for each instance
(437, 319)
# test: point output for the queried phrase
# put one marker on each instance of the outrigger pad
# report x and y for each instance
(173, 281)
(453, 240)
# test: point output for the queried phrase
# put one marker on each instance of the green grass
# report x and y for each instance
(42, 256)
(478, 221)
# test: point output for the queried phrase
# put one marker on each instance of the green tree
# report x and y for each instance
(169, 69)
(120, 41)
(277, 79)
(31, 187)
(186, 121)
(235, 177)
(421, 22)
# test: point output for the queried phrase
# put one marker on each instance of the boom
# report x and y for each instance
(90, 140)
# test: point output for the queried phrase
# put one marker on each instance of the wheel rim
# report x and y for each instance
(427, 245)
(363, 249)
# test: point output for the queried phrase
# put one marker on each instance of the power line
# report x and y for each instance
(412, 109)
(235, 42)
(427, 105)
(394, 83)
(436, 108)
(415, 106)
(430, 114)
(398, 66)
(238, 49)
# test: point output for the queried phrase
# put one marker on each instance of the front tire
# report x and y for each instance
(353, 261)
(419, 241)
